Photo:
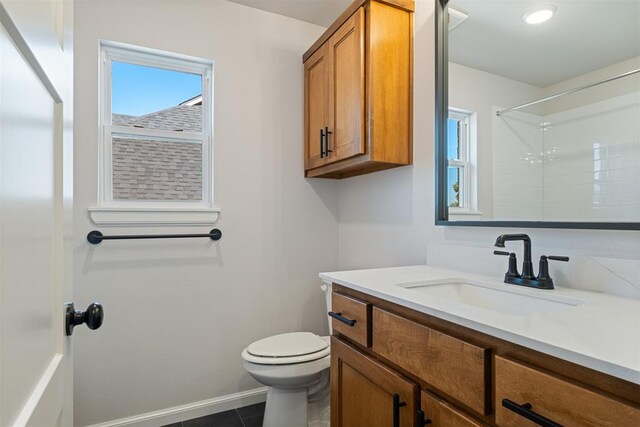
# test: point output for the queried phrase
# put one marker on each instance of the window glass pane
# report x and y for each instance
(156, 169)
(453, 186)
(155, 98)
(453, 139)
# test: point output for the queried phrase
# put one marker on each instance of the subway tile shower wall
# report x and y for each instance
(592, 164)
(580, 164)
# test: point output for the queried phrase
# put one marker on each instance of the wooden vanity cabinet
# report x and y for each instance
(358, 92)
(464, 378)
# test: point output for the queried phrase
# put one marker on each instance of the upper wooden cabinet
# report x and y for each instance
(358, 92)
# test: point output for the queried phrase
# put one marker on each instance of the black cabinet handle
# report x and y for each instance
(525, 411)
(422, 419)
(326, 135)
(338, 316)
(396, 409)
(321, 143)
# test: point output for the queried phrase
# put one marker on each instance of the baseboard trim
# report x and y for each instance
(190, 410)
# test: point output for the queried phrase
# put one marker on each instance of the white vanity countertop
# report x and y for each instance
(603, 333)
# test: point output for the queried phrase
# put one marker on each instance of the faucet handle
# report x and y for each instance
(543, 270)
(513, 264)
(558, 258)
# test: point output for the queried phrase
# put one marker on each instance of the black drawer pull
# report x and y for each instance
(321, 143)
(525, 411)
(338, 316)
(396, 409)
(422, 419)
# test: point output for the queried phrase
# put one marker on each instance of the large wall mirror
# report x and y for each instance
(538, 113)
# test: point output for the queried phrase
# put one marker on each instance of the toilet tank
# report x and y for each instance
(326, 288)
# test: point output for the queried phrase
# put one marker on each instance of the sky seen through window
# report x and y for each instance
(138, 90)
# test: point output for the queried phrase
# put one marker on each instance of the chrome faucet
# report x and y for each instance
(527, 278)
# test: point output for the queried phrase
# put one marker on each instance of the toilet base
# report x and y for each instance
(286, 408)
(292, 408)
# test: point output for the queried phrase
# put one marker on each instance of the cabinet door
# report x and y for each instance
(443, 414)
(316, 107)
(362, 391)
(346, 89)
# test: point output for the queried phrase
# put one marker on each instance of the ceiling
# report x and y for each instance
(582, 36)
(319, 12)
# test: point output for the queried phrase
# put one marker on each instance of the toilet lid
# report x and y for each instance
(288, 345)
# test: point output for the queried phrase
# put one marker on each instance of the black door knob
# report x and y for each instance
(92, 317)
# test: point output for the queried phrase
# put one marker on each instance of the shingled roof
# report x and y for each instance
(147, 169)
(185, 118)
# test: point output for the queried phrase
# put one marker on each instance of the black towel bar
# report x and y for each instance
(94, 237)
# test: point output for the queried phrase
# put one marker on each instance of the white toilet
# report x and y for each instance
(295, 367)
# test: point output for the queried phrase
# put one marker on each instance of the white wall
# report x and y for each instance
(601, 92)
(178, 313)
(501, 142)
(481, 92)
(387, 218)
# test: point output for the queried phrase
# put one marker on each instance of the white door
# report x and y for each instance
(36, 84)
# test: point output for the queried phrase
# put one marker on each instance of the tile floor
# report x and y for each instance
(249, 416)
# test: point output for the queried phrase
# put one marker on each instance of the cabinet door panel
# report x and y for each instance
(316, 113)
(389, 83)
(362, 391)
(346, 89)
(443, 414)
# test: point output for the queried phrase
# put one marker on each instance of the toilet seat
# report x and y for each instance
(285, 349)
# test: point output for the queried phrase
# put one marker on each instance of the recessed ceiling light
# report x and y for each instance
(539, 16)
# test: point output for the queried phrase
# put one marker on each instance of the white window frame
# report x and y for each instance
(153, 212)
(466, 163)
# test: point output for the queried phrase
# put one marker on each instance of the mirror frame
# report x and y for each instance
(441, 115)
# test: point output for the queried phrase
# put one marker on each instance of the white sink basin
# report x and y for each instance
(506, 299)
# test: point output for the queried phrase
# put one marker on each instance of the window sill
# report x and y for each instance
(464, 215)
(153, 216)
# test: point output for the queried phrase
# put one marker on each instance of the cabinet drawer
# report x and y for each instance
(456, 367)
(556, 399)
(443, 414)
(351, 318)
